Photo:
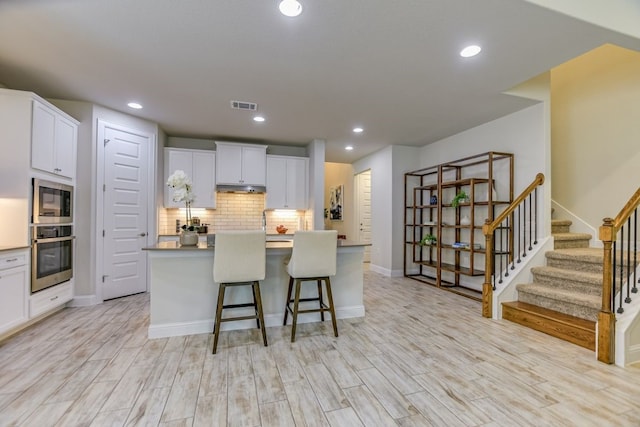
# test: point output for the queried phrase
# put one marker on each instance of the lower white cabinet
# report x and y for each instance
(14, 282)
(50, 298)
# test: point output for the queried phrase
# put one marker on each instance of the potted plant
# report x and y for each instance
(428, 240)
(462, 196)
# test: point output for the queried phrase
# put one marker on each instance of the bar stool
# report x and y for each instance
(313, 259)
(239, 260)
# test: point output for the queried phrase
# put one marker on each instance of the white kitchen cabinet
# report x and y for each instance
(241, 164)
(53, 141)
(287, 182)
(50, 298)
(200, 166)
(14, 283)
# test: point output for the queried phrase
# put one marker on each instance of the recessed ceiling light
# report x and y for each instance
(258, 119)
(358, 130)
(291, 8)
(134, 105)
(470, 51)
(349, 147)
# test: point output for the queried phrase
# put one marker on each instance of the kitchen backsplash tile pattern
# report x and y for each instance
(236, 211)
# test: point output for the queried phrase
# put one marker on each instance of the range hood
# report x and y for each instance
(227, 188)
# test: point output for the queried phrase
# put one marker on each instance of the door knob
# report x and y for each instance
(142, 234)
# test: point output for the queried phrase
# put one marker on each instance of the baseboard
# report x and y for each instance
(385, 271)
(206, 326)
(84, 301)
(632, 355)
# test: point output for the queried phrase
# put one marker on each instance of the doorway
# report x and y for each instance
(363, 209)
(125, 189)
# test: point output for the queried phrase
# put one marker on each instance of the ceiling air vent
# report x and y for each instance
(240, 105)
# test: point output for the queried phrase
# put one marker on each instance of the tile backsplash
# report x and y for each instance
(236, 211)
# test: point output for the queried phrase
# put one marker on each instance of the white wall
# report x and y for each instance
(595, 112)
(387, 204)
(316, 182)
(523, 133)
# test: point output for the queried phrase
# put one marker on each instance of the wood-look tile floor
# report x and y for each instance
(420, 357)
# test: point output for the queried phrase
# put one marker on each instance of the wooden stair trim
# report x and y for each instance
(569, 328)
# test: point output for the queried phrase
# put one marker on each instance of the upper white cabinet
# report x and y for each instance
(287, 182)
(241, 164)
(14, 281)
(200, 166)
(53, 141)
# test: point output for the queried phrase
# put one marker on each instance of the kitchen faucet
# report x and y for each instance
(264, 220)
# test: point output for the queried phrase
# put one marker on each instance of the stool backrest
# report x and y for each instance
(239, 256)
(314, 254)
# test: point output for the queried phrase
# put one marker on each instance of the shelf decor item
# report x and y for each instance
(183, 192)
(465, 220)
(428, 240)
(461, 197)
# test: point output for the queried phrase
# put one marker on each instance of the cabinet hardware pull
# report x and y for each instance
(12, 260)
(54, 298)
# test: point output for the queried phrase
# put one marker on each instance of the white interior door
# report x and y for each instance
(125, 212)
(363, 185)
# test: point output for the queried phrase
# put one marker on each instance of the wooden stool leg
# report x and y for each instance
(286, 307)
(320, 299)
(295, 311)
(327, 283)
(255, 304)
(256, 291)
(216, 326)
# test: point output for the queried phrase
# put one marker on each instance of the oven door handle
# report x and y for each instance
(53, 240)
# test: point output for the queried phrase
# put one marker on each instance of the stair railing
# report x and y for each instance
(618, 273)
(508, 238)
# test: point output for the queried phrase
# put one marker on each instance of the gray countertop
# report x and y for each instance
(173, 246)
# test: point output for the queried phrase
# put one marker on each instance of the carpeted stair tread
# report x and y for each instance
(580, 305)
(559, 294)
(571, 240)
(572, 236)
(560, 226)
(561, 222)
(581, 254)
(564, 275)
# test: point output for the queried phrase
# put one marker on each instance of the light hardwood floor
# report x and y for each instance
(420, 357)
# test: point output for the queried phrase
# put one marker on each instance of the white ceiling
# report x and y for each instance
(390, 66)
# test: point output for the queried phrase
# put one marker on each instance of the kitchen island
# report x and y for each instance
(183, 293)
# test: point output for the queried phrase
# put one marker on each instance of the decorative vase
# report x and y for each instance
(494, 193)
(188, 238)
(465, 220)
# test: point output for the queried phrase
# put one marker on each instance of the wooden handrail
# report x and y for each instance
(626, 211)
(489, 228)
(607, 318)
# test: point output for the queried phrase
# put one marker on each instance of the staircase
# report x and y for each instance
(565, 297)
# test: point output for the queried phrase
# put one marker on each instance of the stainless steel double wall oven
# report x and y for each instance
(52, 234)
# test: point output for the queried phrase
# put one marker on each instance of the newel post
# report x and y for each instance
(606, 318)
(487, 287)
